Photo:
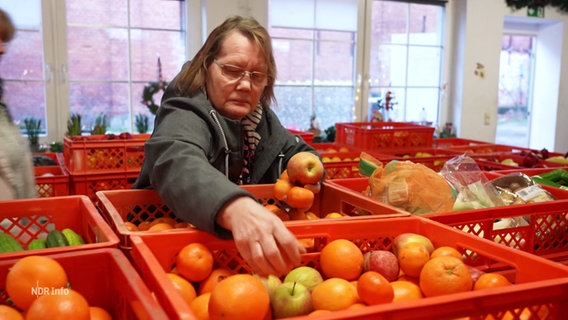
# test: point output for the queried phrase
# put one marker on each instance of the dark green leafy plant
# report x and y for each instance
(148, 94)
(519, 4)
(56, 147)
(74, 125)
(141, 122)
(100, 126)
(32, 126)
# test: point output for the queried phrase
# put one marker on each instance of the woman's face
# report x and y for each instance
(233, 94)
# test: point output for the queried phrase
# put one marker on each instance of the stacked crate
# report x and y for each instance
(97, 163)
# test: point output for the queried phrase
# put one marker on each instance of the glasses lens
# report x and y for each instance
(232, 72)
(258, 77)
(236, 73)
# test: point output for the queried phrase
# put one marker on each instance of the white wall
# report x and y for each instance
(477, 27)
(474, 36)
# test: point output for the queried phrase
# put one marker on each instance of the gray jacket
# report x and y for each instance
(195, 155)
(17, 180)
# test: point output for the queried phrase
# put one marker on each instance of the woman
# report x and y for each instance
(17, 179)
(215, 130)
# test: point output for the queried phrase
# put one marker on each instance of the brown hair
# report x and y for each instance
(192, 78)
(7, 29)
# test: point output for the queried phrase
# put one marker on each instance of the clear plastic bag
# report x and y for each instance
(473, 188)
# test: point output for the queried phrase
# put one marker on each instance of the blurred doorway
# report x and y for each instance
(516, 78)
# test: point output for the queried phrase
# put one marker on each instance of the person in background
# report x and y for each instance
(214, 131)
(17, 179)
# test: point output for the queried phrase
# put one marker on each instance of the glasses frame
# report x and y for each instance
(257, 78)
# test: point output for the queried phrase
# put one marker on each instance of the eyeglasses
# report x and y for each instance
(234, 73)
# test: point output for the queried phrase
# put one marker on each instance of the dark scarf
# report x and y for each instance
(251, 140)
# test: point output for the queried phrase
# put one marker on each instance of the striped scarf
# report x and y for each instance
(251, 140)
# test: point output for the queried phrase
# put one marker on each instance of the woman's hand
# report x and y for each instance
(261, 237)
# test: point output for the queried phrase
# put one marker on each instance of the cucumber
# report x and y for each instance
(55, 238)
(9, 243)
(39, 243)
(73, 238)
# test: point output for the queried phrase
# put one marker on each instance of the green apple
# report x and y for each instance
(270, 282)
(308, 276)
(291, 299)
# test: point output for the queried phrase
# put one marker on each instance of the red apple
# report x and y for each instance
(383, 262)
(305, 168)
(475, 273)
(407, 237)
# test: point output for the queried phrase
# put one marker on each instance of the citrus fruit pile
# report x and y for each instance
(38, 288)
(158, 224)
(214, 292)
(341, 279)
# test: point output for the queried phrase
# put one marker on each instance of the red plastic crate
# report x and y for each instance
(118, 206)
(29, 219)
(450, 142)
(51, 181)
(377, 136)
(341, 165)
(57, 157)
(96, 154)
(89, 184)
(538, 282)
(306, 135)
(421, 152)
(498, 158)
(528, 171)
(483, 149)
(107, 280)
(545, 233)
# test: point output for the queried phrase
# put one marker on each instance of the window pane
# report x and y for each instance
(293, 60)
(33, 105)
(425, 24)
(333, 104)
(389, 22)
(424, 66)
(418, 98)
(334, 59)
(294, 101)
(21, 65)
(97, 54)
(141, 45)
(111, 13)
(388, 65)
(149, 45)
(156, 14)
(93, 99)
(406, 58)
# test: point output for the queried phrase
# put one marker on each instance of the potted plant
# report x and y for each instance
(32, 126)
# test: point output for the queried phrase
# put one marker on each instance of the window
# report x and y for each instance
(515, 89)
(405, 59)
(327, 60)
(101, 56)
(315, 56)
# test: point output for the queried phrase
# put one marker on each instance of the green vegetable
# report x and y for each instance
(9, 243)
(72, 237)
(37, 244)
(55, 238)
